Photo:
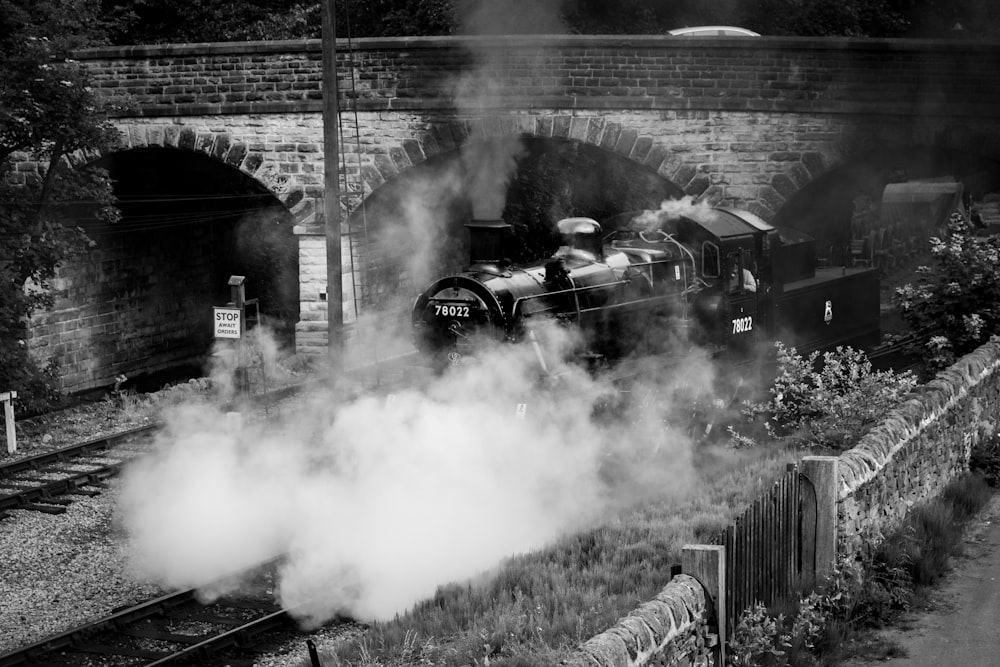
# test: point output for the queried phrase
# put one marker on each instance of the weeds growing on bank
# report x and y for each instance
(864, 594)
(536, 608)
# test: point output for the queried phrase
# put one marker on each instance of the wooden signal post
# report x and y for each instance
(331, 189)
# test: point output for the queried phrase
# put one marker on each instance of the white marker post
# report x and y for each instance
(7, 398)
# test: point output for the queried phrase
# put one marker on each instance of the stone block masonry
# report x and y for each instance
(859, 76)
(741, 122)
(922, 446)
(663, 631)
(136, 303)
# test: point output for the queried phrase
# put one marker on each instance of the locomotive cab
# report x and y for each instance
(733, 252)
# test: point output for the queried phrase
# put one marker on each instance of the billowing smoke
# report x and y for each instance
(374, 501)
(488, 167)
(411, 233)
(671, 209)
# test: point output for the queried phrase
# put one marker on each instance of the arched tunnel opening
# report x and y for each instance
(414, 224)
(881, 210)
(145, 292)
(845, 204)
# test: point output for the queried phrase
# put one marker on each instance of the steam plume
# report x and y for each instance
(376, 502)
(671, 209)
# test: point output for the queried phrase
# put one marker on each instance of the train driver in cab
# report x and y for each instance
(749, 282)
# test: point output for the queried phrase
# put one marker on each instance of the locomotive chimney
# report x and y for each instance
(487, 241)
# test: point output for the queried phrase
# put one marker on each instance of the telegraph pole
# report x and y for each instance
(331, 188)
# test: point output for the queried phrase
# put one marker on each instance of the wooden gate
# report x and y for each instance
(771, 549)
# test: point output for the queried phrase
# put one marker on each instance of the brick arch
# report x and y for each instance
(220, 146)
(799, 168)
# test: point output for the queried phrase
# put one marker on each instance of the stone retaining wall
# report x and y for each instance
(907, 459)
(665, 631)
(923, 445)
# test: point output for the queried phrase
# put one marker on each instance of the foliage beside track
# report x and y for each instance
(537, 607)
(954, 305)
(828, 401)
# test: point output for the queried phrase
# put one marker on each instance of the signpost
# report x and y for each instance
(228, 322)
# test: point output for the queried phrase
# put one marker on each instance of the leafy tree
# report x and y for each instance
(955, 304)
(848, 18)
(167, 21)
(47, 112)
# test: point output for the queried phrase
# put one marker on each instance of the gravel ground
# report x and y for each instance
(61, 571)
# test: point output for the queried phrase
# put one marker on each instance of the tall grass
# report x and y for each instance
(933, 531)
(907, 563)
(535, 608)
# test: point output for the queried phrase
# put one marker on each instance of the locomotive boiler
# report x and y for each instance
(720, 278)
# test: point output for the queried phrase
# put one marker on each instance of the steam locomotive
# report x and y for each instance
(720, 278)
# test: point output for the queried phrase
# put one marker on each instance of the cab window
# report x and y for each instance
(710, 260)
(734, 261)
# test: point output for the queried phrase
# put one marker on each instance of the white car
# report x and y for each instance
(714, 31)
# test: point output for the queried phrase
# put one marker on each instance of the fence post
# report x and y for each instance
(7, 398)
(822, 472)
(707, 564)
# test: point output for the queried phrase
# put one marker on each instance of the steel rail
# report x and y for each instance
(45, 497)
(71, 451)
(175, 606)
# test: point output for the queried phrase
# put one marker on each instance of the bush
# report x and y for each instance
(955, 303)
(36, 386)
(833, 406)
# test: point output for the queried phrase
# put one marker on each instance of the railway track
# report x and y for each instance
(46, 482)
(174, 629)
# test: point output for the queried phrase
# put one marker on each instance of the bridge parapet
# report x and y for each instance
(769, 74)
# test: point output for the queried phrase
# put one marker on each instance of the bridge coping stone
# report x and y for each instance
(513, 42)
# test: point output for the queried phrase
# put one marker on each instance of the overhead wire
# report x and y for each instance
(357, 137)
(364, 214)
(152, 222)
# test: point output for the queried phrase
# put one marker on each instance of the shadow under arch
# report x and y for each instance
(188, 222)
(412, 227)
(844, 202)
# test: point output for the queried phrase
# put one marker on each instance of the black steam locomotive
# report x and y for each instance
(720, 278)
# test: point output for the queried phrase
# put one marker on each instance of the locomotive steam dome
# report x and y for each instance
(583, 235)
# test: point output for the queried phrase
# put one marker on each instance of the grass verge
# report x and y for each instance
(535, 608)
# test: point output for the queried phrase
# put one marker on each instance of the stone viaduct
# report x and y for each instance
(749, 122)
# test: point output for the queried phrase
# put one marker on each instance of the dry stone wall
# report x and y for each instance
(667, 631)
(917, 450)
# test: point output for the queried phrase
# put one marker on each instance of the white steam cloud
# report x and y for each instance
(671, 209)
(374, 502)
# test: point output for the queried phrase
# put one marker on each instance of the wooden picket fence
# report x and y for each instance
(770, 549)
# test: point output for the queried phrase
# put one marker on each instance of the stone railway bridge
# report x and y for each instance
(785, 127)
